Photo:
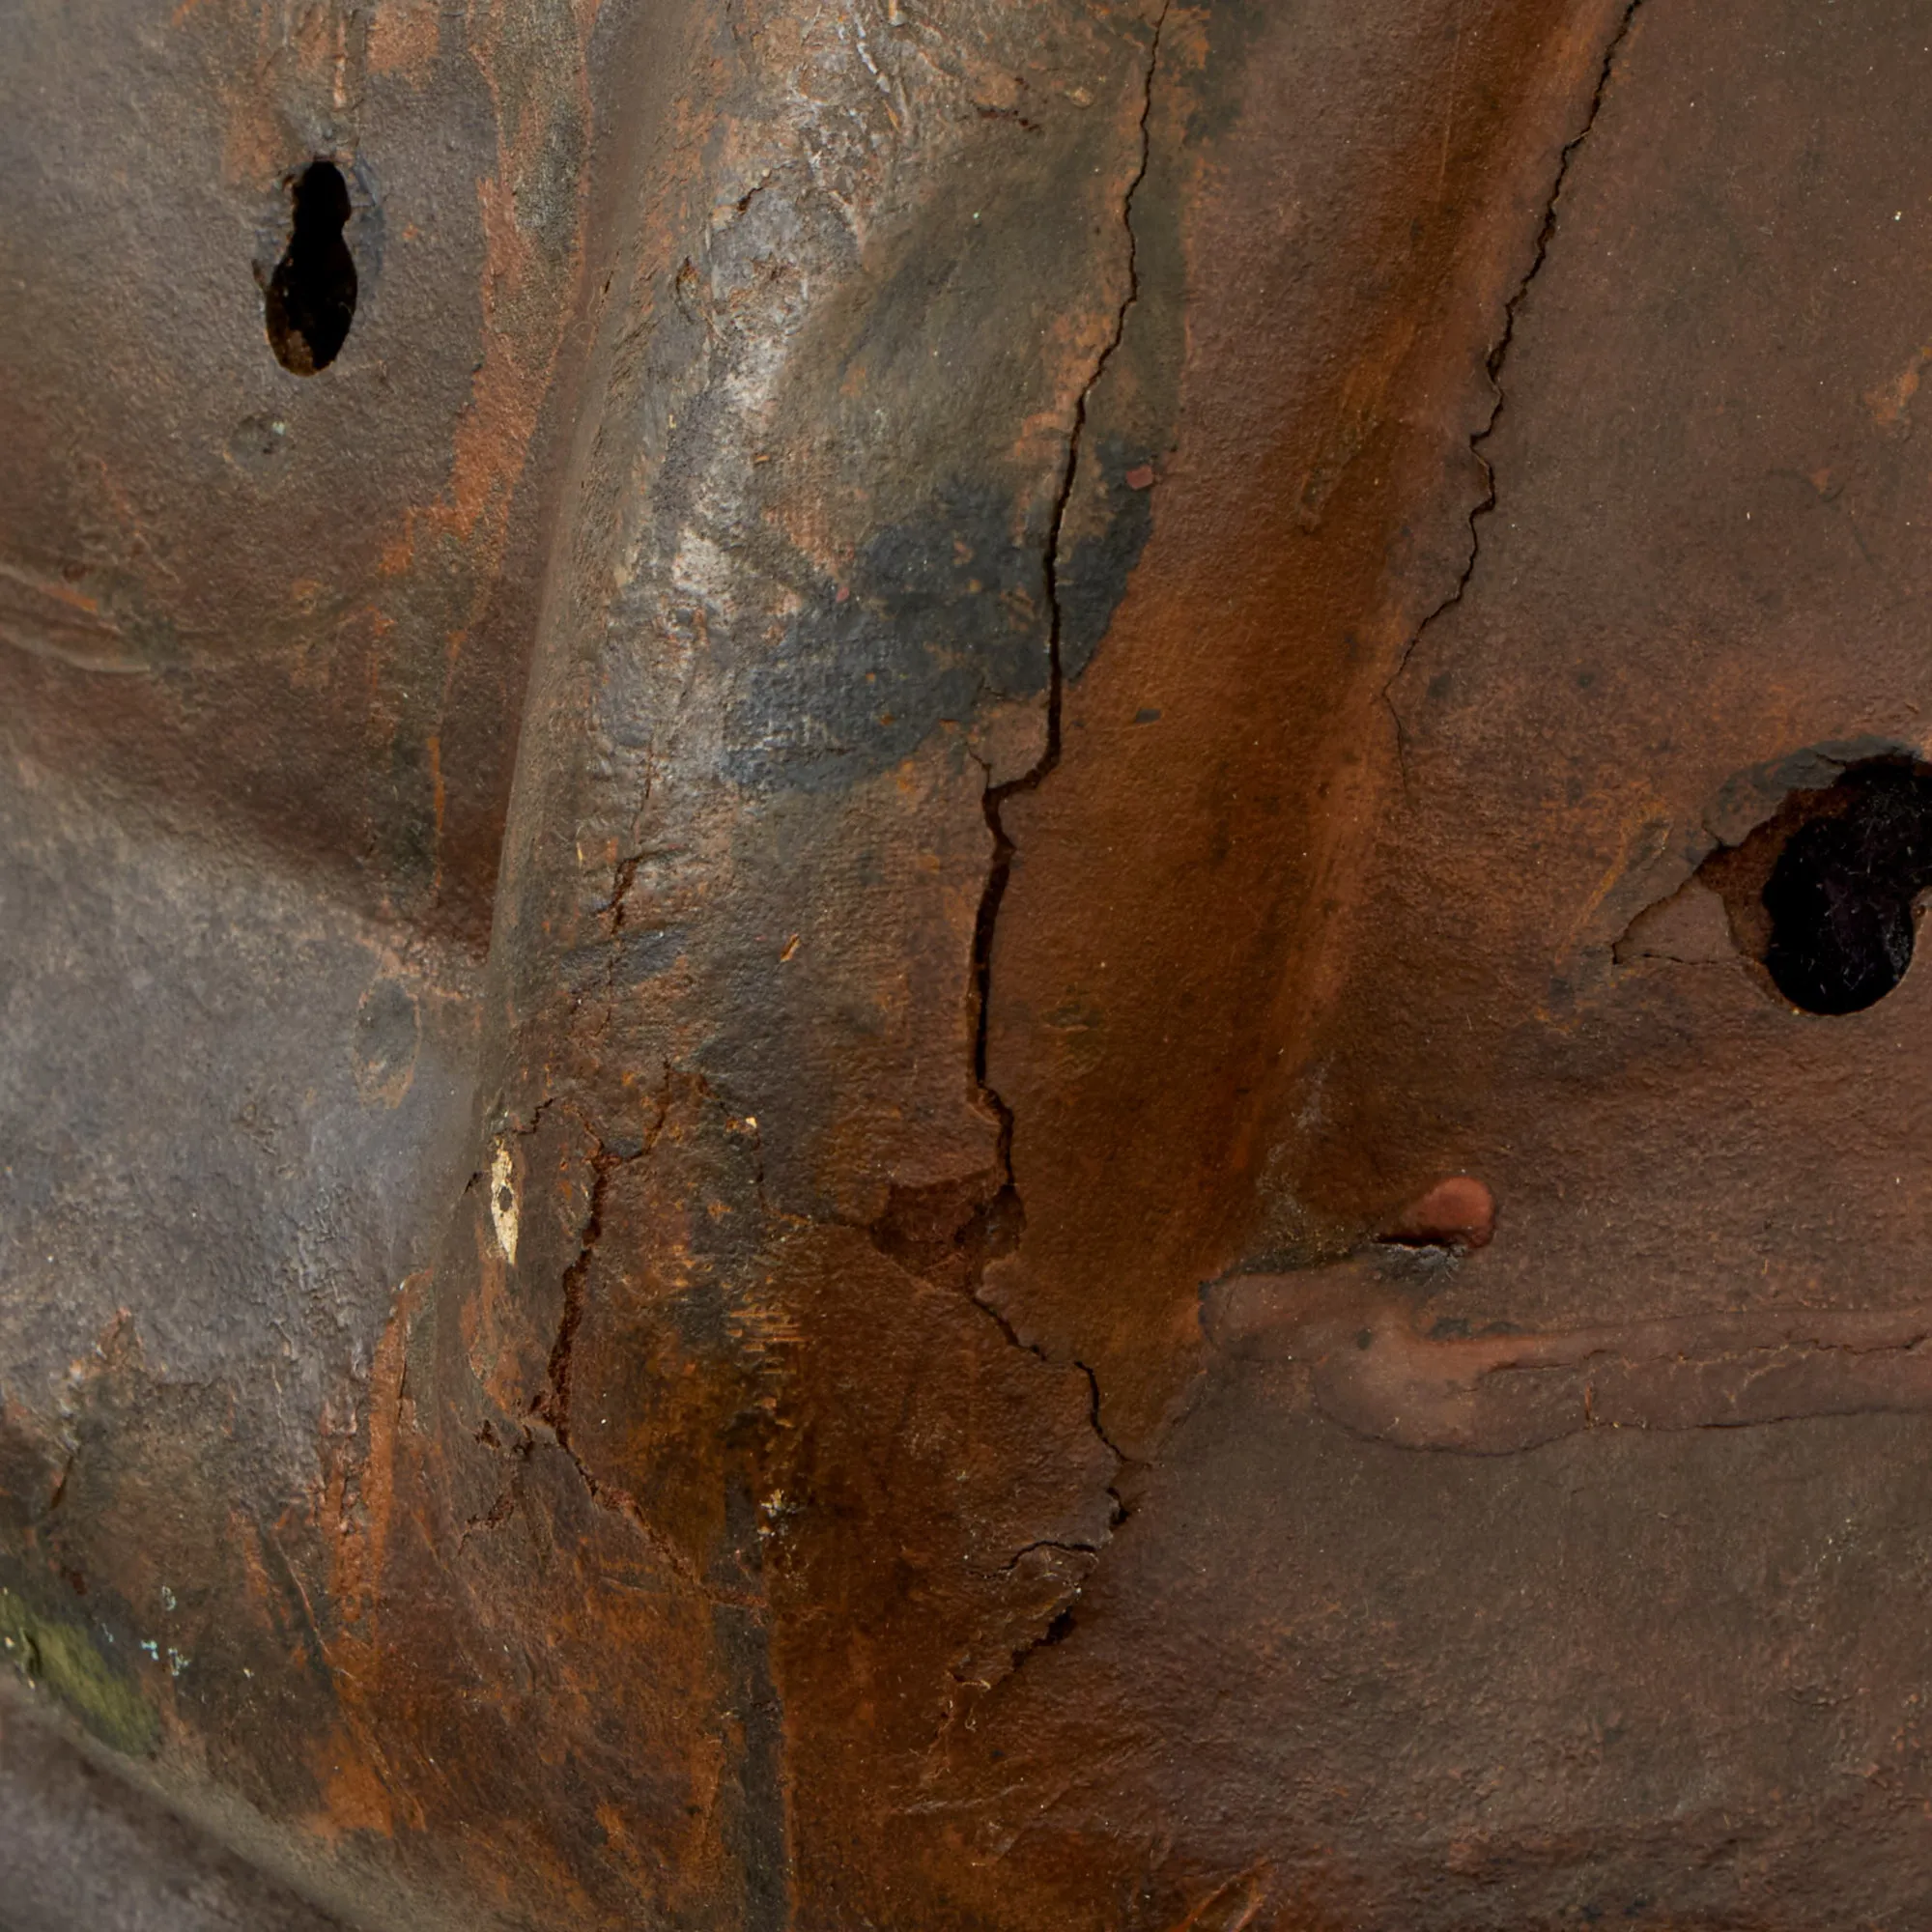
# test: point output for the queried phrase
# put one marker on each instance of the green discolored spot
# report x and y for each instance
(62, 1657)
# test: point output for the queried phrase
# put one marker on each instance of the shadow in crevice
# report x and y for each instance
(1824, 894)
(311, 298)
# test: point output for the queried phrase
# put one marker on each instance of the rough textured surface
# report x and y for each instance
(81, 1850)
(894, 1042)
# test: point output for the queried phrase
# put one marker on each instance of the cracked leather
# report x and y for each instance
(735, 972)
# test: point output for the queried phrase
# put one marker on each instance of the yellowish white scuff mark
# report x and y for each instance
(503, 1200)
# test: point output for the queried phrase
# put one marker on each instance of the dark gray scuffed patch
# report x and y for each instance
(388, 1031)
(1092, 578)
(648, 953)
(940, 612)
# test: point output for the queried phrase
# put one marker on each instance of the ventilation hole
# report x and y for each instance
(1824, 896)
(312, 294)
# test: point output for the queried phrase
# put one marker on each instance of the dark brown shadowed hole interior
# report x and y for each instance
(311, 298)
(1824, 896)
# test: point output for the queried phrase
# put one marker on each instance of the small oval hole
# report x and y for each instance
(1824, 895)
(311, 298)
(1841, 896)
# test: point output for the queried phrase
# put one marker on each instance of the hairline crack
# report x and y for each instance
(995, 796)
(1492, 367)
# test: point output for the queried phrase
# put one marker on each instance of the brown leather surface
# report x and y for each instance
(892, 1042)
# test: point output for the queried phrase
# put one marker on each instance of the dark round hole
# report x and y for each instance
(1840, 896)
(311, 298)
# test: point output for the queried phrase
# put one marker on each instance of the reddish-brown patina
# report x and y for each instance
(981, 999)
